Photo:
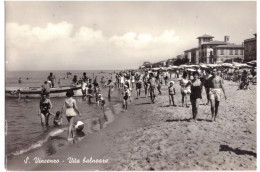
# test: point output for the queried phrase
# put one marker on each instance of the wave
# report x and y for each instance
(40, 143)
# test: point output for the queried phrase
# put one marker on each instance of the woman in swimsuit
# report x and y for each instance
(44, 109)
(71, 110)
(184, 90)
(195, 96)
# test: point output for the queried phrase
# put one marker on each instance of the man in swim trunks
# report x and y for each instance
(51, 78)
(216, 84)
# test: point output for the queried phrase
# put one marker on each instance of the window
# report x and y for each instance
(230, 52)
(236, 52)
(241, 52)
(221, 51)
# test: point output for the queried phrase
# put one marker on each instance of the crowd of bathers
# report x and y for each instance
(148, 82)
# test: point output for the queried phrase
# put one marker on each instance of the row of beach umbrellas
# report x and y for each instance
(229, 65)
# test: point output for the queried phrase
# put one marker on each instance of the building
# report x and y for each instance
(250, 49)
(228, 53)
(204, 53)
(192, 55)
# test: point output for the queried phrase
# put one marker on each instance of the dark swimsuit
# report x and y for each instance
(45, 107)
(195, 92)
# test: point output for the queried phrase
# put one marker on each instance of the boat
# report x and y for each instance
(35, 92)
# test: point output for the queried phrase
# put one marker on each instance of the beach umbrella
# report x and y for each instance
(191, 70)
(203, 66)
(252, 63)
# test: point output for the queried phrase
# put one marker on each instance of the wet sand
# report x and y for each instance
(159, 137)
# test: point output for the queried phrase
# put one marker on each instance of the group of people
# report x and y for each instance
(69, 108)
(148, 81)
(209, 79)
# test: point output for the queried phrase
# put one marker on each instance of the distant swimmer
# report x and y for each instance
(51, 78)
(216, 85)
(20, 80)
(26, 100)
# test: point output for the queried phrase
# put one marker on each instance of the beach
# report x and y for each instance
(158, 137)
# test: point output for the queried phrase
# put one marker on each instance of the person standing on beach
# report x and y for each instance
(216, 85)
(133, 80)
(138, 84)
(184, 90)
(171, 90)
(207, 84)
(71, 110)
(195, 96)
(145, 81)
(51, 78)
(126, 96)
(152, 85)
(159, 82)
(44, 109)
(122, 80)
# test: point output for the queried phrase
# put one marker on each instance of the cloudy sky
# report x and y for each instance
(116, 35)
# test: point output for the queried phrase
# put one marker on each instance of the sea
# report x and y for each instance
(23, 131)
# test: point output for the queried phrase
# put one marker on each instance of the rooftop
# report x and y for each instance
(206, 36)
(229, 46)
(191, 49)
(215, 43)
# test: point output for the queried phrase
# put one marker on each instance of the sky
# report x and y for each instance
(116, 35)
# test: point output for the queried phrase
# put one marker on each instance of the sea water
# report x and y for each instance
(24, 132)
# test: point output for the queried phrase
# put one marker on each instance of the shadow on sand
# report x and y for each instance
(143, 104)
(237, 151)
(177, 120)
(187, 120)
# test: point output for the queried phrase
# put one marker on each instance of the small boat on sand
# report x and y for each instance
(35, 92)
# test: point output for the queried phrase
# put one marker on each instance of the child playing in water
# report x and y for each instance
(57, 121)
(171, 93)
(100, 101)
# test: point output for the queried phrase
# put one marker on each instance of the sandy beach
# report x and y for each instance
(159, 137)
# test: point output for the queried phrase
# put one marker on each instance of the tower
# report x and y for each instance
(226, 39)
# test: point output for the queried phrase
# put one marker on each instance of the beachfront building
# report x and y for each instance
(192, 55)
(250, 49)
(187, 54)
(228, 53)
(204, 52)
